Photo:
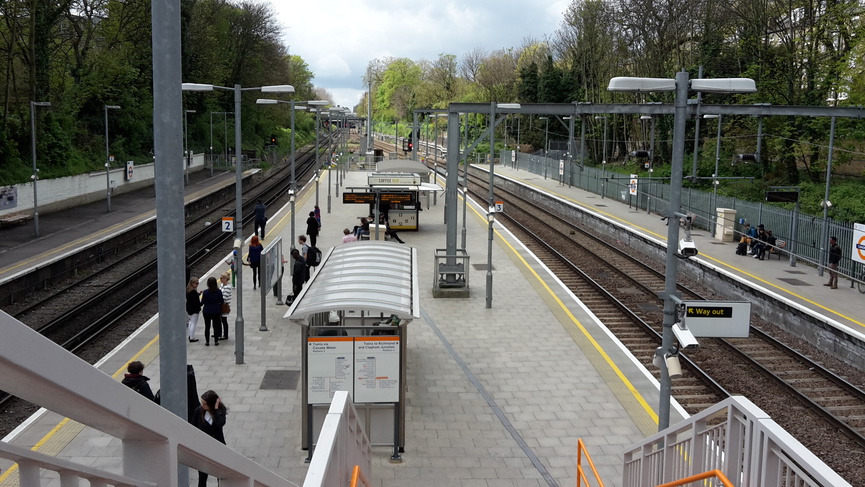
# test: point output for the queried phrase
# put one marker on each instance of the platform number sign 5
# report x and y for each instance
(228, 224)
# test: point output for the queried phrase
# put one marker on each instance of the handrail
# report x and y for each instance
(357, 475)
(581, 475)
(702, 476)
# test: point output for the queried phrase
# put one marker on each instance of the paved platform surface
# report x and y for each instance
(495, 397)
(800, 284)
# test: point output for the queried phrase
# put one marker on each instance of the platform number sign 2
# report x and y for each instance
(228, 224)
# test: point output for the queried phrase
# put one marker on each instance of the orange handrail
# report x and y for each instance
(356, 475)
(581, 475)
(703, 476)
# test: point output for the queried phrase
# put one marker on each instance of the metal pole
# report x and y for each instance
(225, 136)
(825, 232)
(33, 106)
(465, 162)
(715, 182)
(329, 161)
(293, 195)
(185, 149)
(517, 155)
(651, 160)
(170, 214)
(678, 162)
(604, 162)
(107, 164)
(696, 128)
(238, 196)
(489, 288)
(211, 144)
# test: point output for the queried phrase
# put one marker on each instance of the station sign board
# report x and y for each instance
(394, 180)
(859, 242)
(718, 319)
(228, 224)
(369, 198)
(632, 184)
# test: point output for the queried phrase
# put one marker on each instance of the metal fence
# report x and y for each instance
(804, 234)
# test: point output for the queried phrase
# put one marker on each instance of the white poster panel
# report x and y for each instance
(719, 319)
(330, 362)
(272, 260)
(376, 369)
(632, 185)
(859, 242)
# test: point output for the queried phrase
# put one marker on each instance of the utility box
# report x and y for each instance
(725, 224)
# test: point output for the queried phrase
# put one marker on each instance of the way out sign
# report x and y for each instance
(859, 242)
(228, 224)
(718, 319)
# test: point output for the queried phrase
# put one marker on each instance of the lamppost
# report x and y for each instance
(492, 203)
(186, 147)
(651, 163)
(35, 176)
(225, 135)
(546, 142)
(680, 85)
(238, 195)
(108, 157)
(292, 192)
(715, 181)
(604, 159)
(316, 107)
(339, 112)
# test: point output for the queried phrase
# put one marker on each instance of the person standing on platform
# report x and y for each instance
(348, 237)
(226, 288)
(317, 212)
(136, 380)
(834, 260)
(312, 227)
(193, 308)
(209, 417)
(254, 258)
(260, 218)
(304, 248)
(298, 275)
(211, 300)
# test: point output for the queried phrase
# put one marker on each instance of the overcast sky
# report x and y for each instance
(338, 38)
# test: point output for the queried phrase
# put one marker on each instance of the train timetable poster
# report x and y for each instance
(331, 367)
(366, 367)
(376, 369)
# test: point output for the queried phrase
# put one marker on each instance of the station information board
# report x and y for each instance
(369, 198)
(394, 180)
(366, 367)
(719, 319)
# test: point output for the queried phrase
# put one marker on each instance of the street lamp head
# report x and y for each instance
(641, 85)
(277, 89)
(190, 111)
(645, 117)
(600, 117)
(196, 87)
(724, 85)
(41, 103)
(709, 115)
(300, 107)
(317, 103)
(266, 101)
(508, 106)
(112, 107)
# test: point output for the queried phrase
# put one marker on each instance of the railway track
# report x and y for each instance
(624, 291)
(80, 312)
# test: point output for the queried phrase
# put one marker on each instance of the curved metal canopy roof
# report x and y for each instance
(402, 165)
(380, 277)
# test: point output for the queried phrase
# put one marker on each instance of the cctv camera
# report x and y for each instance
(686, 339)
(687, 248)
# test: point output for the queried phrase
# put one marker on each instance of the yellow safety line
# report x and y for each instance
(722, 263)
(66, 421)
(579, 325)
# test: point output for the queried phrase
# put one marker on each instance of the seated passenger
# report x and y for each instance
(387, 230)
(362, 229)
(758, 245)
(348, 236)
(767, 244)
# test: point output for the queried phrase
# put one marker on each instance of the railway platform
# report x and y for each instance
(800, 286)
(495, 396)
(83, 225)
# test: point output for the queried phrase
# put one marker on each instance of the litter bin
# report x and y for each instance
(725, 225)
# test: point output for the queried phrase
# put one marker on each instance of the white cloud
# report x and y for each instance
(338, 38)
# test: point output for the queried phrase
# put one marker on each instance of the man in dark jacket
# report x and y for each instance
(298, 275)
(136, 381)
(312, 227)
(260, 218)
(834, 260)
